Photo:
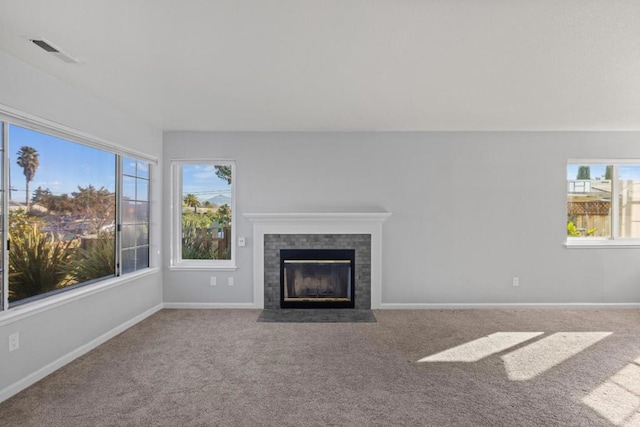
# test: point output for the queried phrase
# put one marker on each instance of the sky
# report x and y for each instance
(63, 165)
(201, 180)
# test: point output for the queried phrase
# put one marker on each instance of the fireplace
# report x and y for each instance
(317, 278)
(274, 244)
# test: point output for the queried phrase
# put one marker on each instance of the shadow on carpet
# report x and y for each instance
(316, 316)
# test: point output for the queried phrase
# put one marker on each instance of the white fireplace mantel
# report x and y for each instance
(317, 223)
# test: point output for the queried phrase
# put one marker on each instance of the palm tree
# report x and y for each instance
(28, 161)
(192, 201)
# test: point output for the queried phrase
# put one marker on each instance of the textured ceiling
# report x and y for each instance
(288, 65)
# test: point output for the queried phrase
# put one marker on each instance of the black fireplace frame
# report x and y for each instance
(318, 254)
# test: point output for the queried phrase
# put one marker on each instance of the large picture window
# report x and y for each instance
(61, 214)
(603, 202)
(203, 225)
(75, 214)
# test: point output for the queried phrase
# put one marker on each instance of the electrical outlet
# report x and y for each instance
(14, 341)
(213, 281)
(230, 281)
(516, 281)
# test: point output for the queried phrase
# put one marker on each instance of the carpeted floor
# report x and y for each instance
(411, 368)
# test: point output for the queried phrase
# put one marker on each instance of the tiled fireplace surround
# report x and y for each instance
(275, 231)
(273, 243)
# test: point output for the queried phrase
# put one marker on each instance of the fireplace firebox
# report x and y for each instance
(317, 278)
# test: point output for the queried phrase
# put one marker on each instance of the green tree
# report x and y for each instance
(97, 206)
(29, 162)
(584, 172)
(40, 194)
(192, 201)
(196, 219)
(61, 204)
(608, 174)
(42, 197)
(223, 215)
(224, 173)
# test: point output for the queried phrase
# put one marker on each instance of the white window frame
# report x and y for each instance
(176, 261)
(614, 241)
(120, 174)
(4, 278)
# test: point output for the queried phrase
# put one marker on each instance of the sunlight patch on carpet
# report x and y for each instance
(618, 399)
(482, 347)
(530, 361)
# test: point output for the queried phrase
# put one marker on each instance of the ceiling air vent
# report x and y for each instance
(56, 51)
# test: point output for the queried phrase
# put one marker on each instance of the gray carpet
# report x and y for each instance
(316, 316)
(222, 368)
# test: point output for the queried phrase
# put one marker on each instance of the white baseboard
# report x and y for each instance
(502, 306)
(421, 306)
(69, 357)
(209, 305)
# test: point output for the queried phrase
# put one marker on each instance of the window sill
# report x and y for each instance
(48, 303)
(203, 267)
(603, 244)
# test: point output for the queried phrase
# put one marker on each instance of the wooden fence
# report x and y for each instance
(591, 215)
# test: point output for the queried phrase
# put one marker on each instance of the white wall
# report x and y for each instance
(469, 210)
(54, 336)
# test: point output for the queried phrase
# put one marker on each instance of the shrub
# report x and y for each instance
(95, 261)
(573, 231)
(197, 243)
(37, 262)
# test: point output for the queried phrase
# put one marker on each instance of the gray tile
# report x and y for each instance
(316, 316)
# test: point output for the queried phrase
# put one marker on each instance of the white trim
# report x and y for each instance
(317, 223)
(200, 267)
(586, 243)
(503, 306)
(615, 203)
(36, 376)
(48, 303)
(209, 305)
(40, 124)
(4, 205)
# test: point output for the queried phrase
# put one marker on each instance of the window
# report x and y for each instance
(75, 214)
(203, 214)
(135, 215)
(603, 202)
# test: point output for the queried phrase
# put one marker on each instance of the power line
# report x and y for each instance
(195, 193)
